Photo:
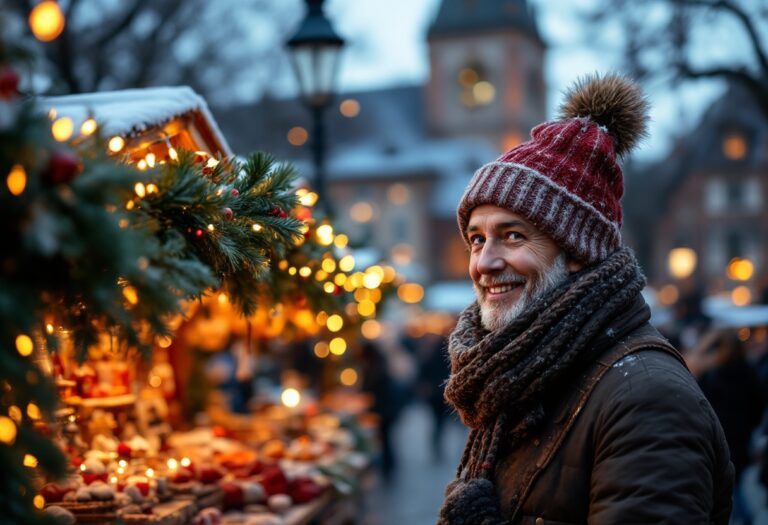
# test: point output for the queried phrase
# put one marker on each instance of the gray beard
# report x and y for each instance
(495, 318)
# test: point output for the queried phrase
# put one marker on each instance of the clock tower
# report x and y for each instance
(486, 71)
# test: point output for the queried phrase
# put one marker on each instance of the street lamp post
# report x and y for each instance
(314, 51)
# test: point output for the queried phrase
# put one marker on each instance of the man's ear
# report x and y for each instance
(573, 265)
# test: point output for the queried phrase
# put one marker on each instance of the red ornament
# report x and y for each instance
(9, 83)
(62, 167)
(199, 232)
(234, 192)
(228, 214)
(124, 450)
(277, 212)
(199, 158)
(303, 490)
(274, 481)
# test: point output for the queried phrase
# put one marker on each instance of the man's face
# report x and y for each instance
(511, 263)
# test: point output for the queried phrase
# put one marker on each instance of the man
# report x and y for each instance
(580, 412)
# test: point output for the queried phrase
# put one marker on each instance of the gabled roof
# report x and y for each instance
(457, 17)
(130, 112)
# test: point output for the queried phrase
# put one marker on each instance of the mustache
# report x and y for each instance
(506, 277)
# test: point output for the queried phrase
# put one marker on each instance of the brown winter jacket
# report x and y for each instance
(635, 442)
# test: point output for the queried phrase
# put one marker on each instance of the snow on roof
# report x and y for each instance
(725, 314)
(132, 111)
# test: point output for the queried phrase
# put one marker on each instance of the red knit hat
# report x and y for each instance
(566, 180)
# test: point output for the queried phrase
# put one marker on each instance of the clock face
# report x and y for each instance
(475, 89)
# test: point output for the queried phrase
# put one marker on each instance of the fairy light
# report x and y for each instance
(329, 287)
(173, 464)
(329, 265)
(116, 144)
(292, 270)
(8, 430)
(335, 323)
(150, 158)
(152, 188)
(82, 467)
(211, 227)
(39, 502)
(24, 345)
(140, 189)
(185, 462)
(88, 127)
(33, 411)
(347, 263)
(305, 271)
(142, 164)
(324, 234)
(348, 377)
(62, 129)
(49, 328)
(14, 413)
(30, 461)
(130, 295)
(17, 180)
(341, 241)
(172, 153)
(150, 473)
(290, 397)
(121, 470)
(340, 279)
(338, 346)
(257, 227)
(322, 350)
(46, 21)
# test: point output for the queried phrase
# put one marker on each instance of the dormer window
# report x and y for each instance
(475, 88)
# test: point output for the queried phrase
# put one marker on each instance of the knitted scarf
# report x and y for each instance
(499, 380)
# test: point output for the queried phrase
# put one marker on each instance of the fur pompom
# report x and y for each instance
(613, 101)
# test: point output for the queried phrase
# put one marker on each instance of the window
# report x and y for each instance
(475, 88)
(715, 195)
(735, 146)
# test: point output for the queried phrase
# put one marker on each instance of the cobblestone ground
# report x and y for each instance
(415, 493)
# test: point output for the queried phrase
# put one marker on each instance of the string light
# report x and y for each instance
(129, 292)
(150, 473)
(150, 158)
(62, 129)
(7, 430)
(142, 164)
(305, 271)
(324, 234)
(348, 377)
(30, 461)
(172, 153)
(290, 397)
(341, 241)
(33, 411)
(335, 323)
(329, 265)
(15, 413)
(46, 21)
(185, 462)
(211, 227)
(116, 144)
(17, 180)
(322, 350)
(140, 189)
(338, 346)
(39, 502)
(24, 345)
(329, 287)
(88, 127)
(173, 464)
(347, 263)
(49, 328)
(257, 228)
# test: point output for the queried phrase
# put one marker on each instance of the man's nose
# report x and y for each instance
(490, 259)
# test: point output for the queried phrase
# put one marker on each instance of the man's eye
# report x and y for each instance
(476, 240)
(513, 236)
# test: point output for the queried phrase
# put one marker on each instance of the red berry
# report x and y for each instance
(62, 167)
(234, 192)
(228, 214)
(207, 170)
(199, 232)
(9, 83)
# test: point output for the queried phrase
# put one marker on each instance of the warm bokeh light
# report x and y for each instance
(30, 461)
(735, 147)
(185, 462)
(14, 413)
(305, 271)
(484, 92)
(341, 241)
(290, 397)
(173, 154)
(402, 254)
(398, 194)
(347, 264)
(39, 502)
(361, 211)
(140, 189)
(24, 345)
(150, 159)
(297, 136)
(366, 308)
(321, 318)
(338, 346)
(348, 377)
(740, 269)
(371, 329)
(46, 21)
(741, 296)
(339, 279)
(335, 323)
(62, 129)
(329, 287)
(88, 127)
(681, 262)
(116, 144)
(324, 234)
(349, 107)
(7, 430)
(33, 411)
(329, 265)
(17, 180)
(130, 294)
(373, 277)
(321, 349)
(410, 293)
(389, 274)
(308, 199)
(668, 295)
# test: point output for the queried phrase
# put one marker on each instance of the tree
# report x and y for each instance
(683, 40)
(136, 43)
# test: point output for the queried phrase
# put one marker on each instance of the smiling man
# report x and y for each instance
(579, 410)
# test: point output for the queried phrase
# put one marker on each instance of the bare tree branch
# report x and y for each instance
(741, 76)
